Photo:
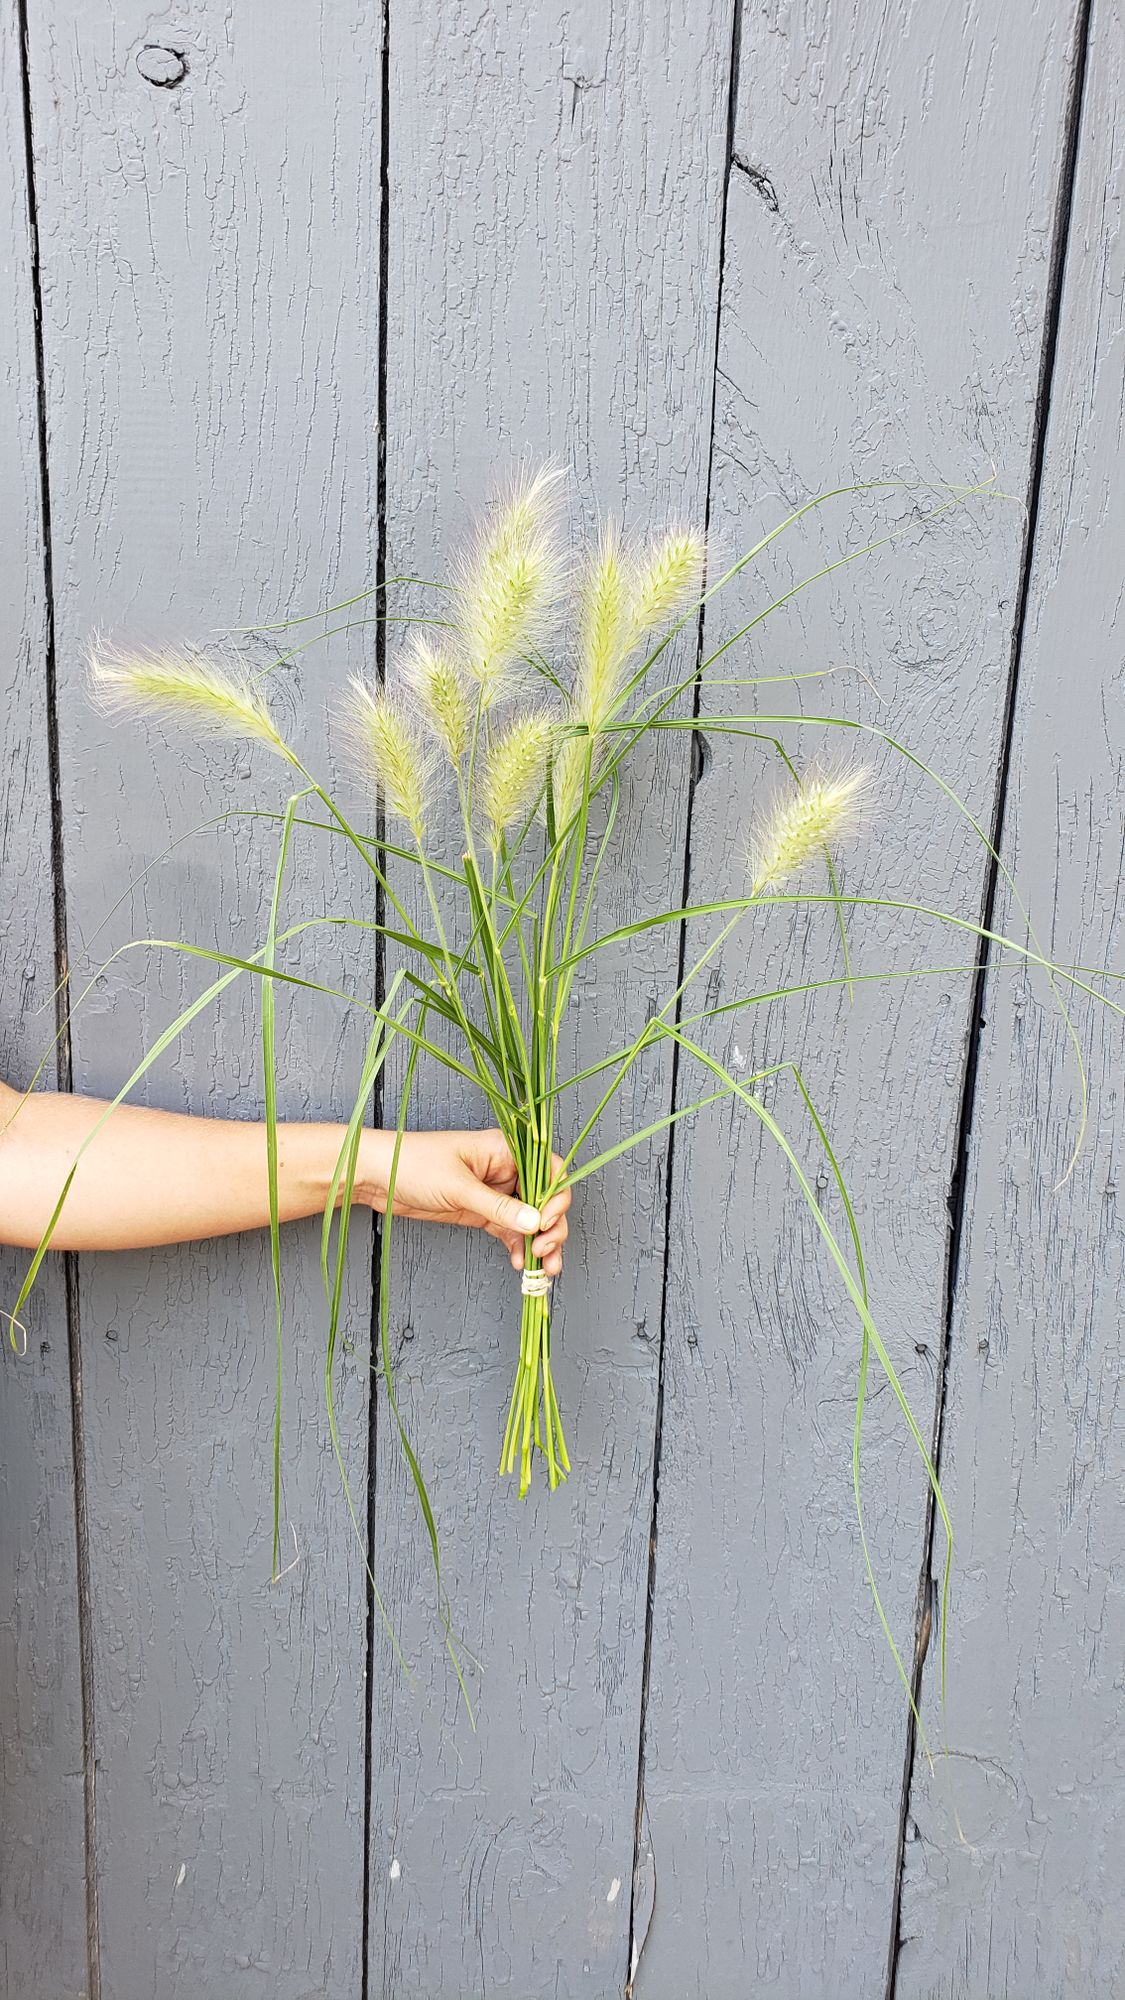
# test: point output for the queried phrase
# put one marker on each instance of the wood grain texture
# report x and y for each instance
(208, 186)
(884, 299)
(555, 193)
(209, 215)
(42, 1842)
(1029, 1901)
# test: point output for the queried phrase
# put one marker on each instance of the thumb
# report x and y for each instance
(503, 1209)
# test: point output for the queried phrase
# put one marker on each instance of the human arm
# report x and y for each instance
(155, 1177)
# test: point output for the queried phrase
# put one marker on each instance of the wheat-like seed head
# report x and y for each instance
(508, 583)
(604, 629)
(439, 683)
(389, 750)
(822, 809)
(513, 773)
(667, 581)
(213, 698)
(568, 772)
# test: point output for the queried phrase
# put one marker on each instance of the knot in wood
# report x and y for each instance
(164, 68)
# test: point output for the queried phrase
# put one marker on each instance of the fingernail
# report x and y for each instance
(528, 1219)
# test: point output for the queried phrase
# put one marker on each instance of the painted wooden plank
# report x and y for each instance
(1029, 1900)
(885, 281)
(555, 193)
(209, 218)
(42, 1844)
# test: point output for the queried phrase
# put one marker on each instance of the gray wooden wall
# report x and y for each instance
(286, 285)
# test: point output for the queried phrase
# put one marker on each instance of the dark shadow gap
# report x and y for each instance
(1072, 124)
(64, 1076)
(380, 981)
(635, 1945)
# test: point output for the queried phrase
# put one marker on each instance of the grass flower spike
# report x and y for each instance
(210, 698)
(514, 770)
(389, 750)
(604, 630)
(621, 601)
(508, 584)
(804, 822)
(667, 582)
(439, 683)
(568, 775)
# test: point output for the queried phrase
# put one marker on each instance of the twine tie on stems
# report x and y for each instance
(534, 1284)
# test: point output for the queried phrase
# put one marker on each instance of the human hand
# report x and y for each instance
(469, 1178)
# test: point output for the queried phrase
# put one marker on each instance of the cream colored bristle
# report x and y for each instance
(568, 775)
(439, 683)
(666, 583)
(513, 773)
(604, 636)
(508, 583)
(210, 697)
(391, 752)
(822, 809)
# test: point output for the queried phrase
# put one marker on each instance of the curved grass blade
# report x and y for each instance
(341, 1193)
(751, 724)
(269, 1076)
(857, 1289)
(330, 610)
(575, 1174)
(409, 1454)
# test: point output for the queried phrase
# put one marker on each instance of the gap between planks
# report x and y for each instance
(64, 1070)
(1064, 201)
(642, 1894)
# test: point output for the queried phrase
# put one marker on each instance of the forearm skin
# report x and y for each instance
(152, 1177)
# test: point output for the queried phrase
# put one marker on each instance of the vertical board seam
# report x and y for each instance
(64, 1069)
(633, 1946)
(1060, 234)
(377, 1242)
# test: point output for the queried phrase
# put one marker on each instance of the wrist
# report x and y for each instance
(373, 1167)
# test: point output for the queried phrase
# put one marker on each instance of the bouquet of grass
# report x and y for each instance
(496, 763)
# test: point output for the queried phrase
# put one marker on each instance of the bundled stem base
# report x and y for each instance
(533, 1414)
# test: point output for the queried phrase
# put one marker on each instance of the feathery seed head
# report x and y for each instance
(213, 698)
(568, 775)
(667, 581)
(513, 773)
(508, 582)
(604, 629)
(439, 683)
(823, 808)
(389, 750)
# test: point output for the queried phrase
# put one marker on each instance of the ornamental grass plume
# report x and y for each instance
(391, 752)
(213, 698)
(605, 630)
(669, 578)
(437, 678)
(513, 772)
(508, 583)
(622, 599)
(488, 968)
(804, 823)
